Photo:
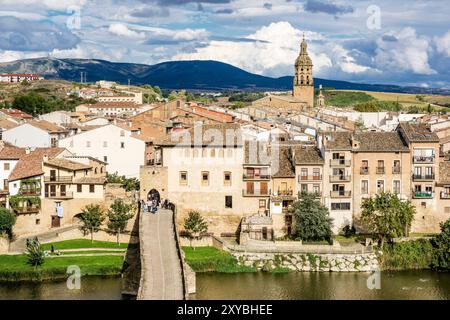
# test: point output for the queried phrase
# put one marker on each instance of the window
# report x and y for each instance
(316, 174)
(340, 206)
(205, 178)
(396, 186)
(316, 188)
(92, 188)
(227, 178)
(364, 187)
(122, 133)
(228, 202)
(204, 153)
(79, 188)
(122, 145)
(380, 186)
(88, 144)
(423, 204)
(183, 178)
(5, 185)
(262, 203)
(38, 221)
(105, 159)
(6, 166)
(304, 188)
(304, 174)
(105, 144)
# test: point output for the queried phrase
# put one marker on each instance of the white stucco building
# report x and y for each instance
(35, 134)
(115, 145)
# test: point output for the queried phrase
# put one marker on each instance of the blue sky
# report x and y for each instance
(376, 41)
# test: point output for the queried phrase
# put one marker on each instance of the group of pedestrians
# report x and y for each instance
(152, 205)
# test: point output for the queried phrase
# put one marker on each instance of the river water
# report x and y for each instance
(292, 286)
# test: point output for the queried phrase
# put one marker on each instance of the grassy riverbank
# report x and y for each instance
(15, 267)
(210, 259)
(408, 255)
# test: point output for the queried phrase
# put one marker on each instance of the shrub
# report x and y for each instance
(7, 221)
(416, 254)
(349, 231)
(312, 219)
(441, 245)
(35, 254)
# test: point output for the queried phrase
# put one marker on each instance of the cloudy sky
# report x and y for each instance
(374, 41)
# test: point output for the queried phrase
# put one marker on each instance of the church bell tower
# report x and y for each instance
(303, 81)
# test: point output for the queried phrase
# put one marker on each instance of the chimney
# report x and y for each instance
(27, 151)
(45, 159)
(355, 143)
(130, 124)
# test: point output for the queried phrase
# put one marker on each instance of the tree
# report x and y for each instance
(387, 216)
(92, 218)
(7, 221)
(441, 245)
(118, 215)
(35, 254)
(194, 224)
(312, 220)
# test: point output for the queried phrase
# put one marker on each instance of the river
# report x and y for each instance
(292, 286)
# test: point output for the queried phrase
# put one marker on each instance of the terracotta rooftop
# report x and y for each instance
(369, 141)
(207, 135)
(30, 165)
(67, 164)
(11, 153)
(6, 124)
(307, 155)
(284, 168)
(16, 113)
(47, 126)
(418, 132)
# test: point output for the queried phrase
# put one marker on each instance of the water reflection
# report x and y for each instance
(323, 286)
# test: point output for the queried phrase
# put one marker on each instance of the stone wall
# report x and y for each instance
(203, 242)
(364, 262)
(4, 245)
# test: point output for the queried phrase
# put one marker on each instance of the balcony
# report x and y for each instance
(27, 210)
(381, 170)
(445, 195)
(423, 177)
(66, 179)
(256, 177)
(310, 178)
(364, 170)
(340, 178)
(339, 163)
(340, 194)
(396, 170)
(255, 193)
(59, 195)
(422, 195)
(284, 193)
(423, 159)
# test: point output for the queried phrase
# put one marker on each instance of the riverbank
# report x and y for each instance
(98, 258)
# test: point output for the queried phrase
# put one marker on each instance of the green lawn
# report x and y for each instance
(15, 267)
(83, 244)
(210, 259)
(88, 252)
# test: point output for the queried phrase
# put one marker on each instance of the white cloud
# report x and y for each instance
(404, 51)
(8, 56)
(91, 51)
(443, 44)
(122, 30)
(273, 53)
(346, 62)
(51, 4)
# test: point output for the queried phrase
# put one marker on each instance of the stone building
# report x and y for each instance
(302, 97)
(303, 79)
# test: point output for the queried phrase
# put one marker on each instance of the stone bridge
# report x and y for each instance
(163, 271)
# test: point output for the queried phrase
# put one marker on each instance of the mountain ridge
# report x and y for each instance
(208, 75)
